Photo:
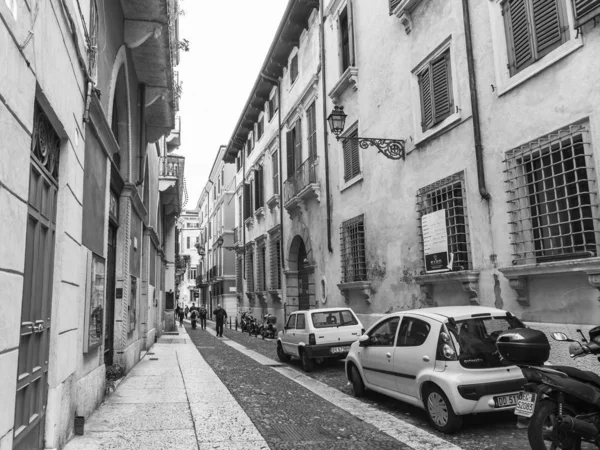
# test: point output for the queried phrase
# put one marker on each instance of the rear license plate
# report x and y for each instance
(502, 401)
(343, 349)
(525, 404)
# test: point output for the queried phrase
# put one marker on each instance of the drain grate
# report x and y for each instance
(149, 353)
(153, 359)
(294, 433)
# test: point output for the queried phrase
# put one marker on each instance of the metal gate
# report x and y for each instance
(32, 384)
(111, 268)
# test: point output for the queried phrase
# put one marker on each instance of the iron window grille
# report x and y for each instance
(312, 131)
(261, 267)
(533, 29)
(450, 194)
(351, 157)
(250, 269)
(435, 85)
(553, 198)
(275, 262)
(45, 142)
(354, 261)
(294, 68)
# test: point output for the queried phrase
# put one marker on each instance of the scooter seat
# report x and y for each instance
(582, 375)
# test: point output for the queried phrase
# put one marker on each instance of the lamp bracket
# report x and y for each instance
(391, 148)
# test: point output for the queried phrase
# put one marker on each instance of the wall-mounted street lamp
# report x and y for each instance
(391, 148)
(200, 250)
(234, 248)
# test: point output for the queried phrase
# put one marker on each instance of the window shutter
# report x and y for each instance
(312, 131)
(351, 158)
(426, 100)
(290, 152)
(261, 196)
(442, 99)
(518, 35)
(247, 201)
(298, 149)
(547, 25)
(275, 168)
(393, 4)
(585, 10)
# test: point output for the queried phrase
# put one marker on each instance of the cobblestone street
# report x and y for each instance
(290, 416)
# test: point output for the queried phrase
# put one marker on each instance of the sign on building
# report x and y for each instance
(435, 242)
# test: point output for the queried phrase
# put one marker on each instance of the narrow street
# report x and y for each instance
(294, 410)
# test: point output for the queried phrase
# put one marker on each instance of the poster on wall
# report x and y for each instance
(95, 302)
(435, 242)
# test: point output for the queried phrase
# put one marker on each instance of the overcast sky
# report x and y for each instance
(229, 40)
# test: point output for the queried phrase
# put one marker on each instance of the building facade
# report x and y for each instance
(188, 236)
(86, 100)
(488, 194)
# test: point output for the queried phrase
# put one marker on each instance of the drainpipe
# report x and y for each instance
(325, 134)
(278, 83)
(142, 155)
(474, 102)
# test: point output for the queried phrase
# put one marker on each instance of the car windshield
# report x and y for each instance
(326, 319)
(475, 339)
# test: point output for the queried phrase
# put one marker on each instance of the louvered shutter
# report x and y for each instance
(426, 99)
(312, 132)
(247, 201)
(261, 196)
(298, 149)
(585, 10)
(290, 152)
(441, 82)
(393, 4)
(518, 35)
(546, 21)
(351, 158)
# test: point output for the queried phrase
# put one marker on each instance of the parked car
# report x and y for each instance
(443, 360)
(316, 334)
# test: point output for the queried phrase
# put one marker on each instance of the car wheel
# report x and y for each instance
(358, 387)
(440, 412)
(307, 363)
(283, 356)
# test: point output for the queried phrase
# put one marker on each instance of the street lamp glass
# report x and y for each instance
(220, 242)
(337, 120)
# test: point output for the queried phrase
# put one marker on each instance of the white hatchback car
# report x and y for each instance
(315, 334)
(443, 360)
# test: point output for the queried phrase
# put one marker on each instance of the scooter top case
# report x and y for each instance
(573, 382)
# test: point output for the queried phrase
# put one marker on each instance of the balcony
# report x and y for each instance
(174, 139)
(302, 186)
(170, 183)
(151, 30)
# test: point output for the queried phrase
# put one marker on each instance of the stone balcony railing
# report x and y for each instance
(302, 185)
(171, 170)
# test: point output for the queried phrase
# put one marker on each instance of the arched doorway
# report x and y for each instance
(300, 278)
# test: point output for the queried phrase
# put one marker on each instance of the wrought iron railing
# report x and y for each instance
(305, 174)
(172, 166)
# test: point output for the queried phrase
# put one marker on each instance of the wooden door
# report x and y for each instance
(31, 398)
(109, 325)
(303, 279)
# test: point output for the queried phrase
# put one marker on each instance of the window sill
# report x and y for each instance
(468, 278)
(445, 125)
(249, 222)
(358, 178)
(260, 212)
(276, 295)
(561, 52)
(403, 10)
(518, 275)
(363, 287)
(273, 202)
(348, 78)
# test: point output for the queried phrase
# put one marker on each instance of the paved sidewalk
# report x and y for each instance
(171, 400)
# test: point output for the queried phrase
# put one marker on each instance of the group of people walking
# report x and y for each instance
(201, 313)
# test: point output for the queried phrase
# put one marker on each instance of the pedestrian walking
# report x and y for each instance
(220, 316)
(193, 317)
(202, 313)
(181, 316)
(187, 310)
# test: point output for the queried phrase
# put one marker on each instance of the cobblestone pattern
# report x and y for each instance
(287, 415)
(495, 431)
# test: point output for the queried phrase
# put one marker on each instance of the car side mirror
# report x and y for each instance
(364, 340)
(561, 337)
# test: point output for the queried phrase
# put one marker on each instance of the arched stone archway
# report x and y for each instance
(300, 276)
(119, 115)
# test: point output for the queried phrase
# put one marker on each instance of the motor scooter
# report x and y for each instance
(268, 328)
(562, 403)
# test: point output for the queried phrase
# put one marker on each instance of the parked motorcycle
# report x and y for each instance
(268, 328)
(562, 403)
(245, 319)
(253, 327)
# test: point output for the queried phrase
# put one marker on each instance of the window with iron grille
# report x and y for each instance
(533, 29)
(354, 261)
(435, 87)
(449, 194)
(275, 260)
(553, 198)
(239, 276)
(294, 68)
(261, 266)
(275, 168)
(311, 116)
(250, 269)
(351, 157)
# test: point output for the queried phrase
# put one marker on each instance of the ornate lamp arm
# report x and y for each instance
(391, 148)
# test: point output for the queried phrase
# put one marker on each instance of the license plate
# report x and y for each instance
(525, 404)
(503, 401)
(343, 349)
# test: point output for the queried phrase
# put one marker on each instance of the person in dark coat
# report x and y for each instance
(220, 316)
(194, 317)
(202, 313)
(181, 316)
